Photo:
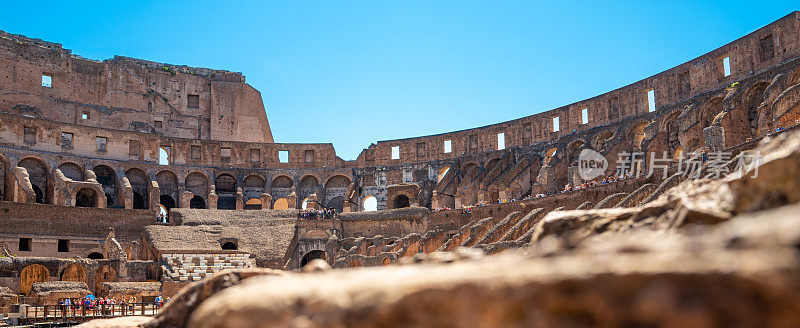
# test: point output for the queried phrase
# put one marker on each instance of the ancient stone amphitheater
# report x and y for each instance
(139, 178)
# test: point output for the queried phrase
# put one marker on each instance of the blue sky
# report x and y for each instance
(355, 72)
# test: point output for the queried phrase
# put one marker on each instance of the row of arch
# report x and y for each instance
(75, 272)
(225, 185)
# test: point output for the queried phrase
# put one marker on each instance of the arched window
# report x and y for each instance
(370, 204)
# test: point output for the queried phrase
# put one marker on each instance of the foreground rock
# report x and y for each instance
(742, 273)
(176, 312)
(706, 253)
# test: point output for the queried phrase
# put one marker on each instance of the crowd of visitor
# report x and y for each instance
(92, 303)
(321, 214)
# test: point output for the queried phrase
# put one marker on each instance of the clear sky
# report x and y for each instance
(355, 72)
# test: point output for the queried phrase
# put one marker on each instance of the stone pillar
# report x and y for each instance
(24, 193)
(714, 138)
(292, 200)
(266, 201)
(457, 202)
(126, 192)
(185, 198)
(239, 199)
(155, 194)
(212, 198)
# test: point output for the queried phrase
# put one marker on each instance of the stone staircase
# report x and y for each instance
(196, 266)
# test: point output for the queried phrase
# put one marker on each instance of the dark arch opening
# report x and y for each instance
(39, 194)
(312, 255)
(401, 201)
(85, 198)
(138, 201)
(168, 203)
(336, 204)
(197, 202)
(230, 246)
(95, 256)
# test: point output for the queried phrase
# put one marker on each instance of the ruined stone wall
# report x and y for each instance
(671, 87)
(128, 94)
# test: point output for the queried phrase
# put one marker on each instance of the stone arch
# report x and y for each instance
(470, 170)
(230, 246)
(602, 139)
(167, 184)
(32, 274)
(226, 190)
(197, 202)
(225, 183)
(751, 100)
(335, 190)
(492, 162)
(337, 181)
(282, 181)
(38, 174)
(140, 186)
(313, 255)
(573, 150)
(281, 186)
(108, 179)
(103, 274)
(197, 183)
(86, 197)
(468, 165)
(670, 126)
(309, 184)
(254, 181)
(370, 204)
(636, 135)
(281, 204)
(709, 111)
(74, 272)
(253, 204)
(337, 204)
(401, 201)
(253, 185)
(72, 171)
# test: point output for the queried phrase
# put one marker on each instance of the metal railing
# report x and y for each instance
(81, 312)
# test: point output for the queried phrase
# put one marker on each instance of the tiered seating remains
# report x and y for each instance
(196, 266)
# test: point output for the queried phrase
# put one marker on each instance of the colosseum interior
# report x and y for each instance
(132, 176)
